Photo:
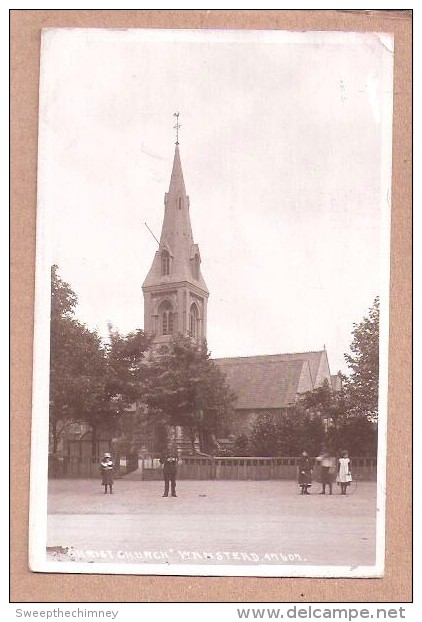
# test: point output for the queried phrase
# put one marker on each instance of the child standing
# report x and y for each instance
(327, 471)
(107, 468)
(344, 476)
(305, 473)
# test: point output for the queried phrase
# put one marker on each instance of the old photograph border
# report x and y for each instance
(49, 222)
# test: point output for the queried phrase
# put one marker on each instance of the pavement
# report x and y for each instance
(210, 522)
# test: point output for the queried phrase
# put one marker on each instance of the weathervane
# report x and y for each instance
(177, 126)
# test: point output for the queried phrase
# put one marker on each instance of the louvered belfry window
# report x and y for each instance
(167, 318)
(165, 263)
(194, 321)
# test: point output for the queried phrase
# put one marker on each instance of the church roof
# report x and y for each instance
(262, 382)
(274, 380)
(316, 360)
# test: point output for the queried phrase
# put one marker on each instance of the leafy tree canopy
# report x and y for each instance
(287, 434)
(78, 367)
(361, 386)
(63, 298)
(183, 387)
(125, 370)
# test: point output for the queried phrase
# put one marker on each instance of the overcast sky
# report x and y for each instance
(285, 147)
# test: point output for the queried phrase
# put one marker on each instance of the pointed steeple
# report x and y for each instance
(176, 236)
(177, 183)
(174, 286)
(176, 232)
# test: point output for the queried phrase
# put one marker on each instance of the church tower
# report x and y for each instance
(175, 294)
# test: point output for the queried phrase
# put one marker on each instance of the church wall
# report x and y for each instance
(242, 421)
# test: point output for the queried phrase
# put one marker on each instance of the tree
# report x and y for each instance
(285, 434)
(183, 387)
(264, 439)
(358, 435)
(362, 384)
(328, 408)
(312, 434)
(78, 368)
(350, 414)
(241, 446)
(125, 370)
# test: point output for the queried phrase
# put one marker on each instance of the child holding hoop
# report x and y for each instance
(344, 476)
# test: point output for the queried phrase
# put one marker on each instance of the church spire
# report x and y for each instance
(176, 232)
(174, 290)
(177, 183)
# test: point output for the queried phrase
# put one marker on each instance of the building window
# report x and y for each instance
(165, 263)
(180, 203)
(167, 318)
(194, 321)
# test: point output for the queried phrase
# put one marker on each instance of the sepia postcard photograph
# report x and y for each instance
(211, 306)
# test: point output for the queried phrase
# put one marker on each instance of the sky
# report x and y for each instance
(286, 153)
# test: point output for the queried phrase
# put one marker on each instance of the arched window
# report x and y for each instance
(194, 321)
(165, 263)
(166, 315)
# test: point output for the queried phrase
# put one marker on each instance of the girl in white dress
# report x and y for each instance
(344, 476)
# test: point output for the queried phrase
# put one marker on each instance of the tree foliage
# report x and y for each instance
(183, 387)
(83, 385)
(125, 370)
(358, 435)
(241, 446)
(77, 365)
(361, 386)
(286, 434)
(264, 438)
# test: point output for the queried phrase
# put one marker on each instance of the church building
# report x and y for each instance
(175, 301)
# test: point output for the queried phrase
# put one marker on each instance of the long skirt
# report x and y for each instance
(305, 478)
(327, 475)
(107, 478)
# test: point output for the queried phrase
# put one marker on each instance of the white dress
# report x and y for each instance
(344, 475)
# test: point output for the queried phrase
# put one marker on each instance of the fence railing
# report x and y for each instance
(205, 468)
(247, 468)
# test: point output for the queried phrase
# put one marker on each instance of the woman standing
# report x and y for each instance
(344, 476)
(305, 473)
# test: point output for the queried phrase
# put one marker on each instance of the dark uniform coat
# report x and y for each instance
(169, 467)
